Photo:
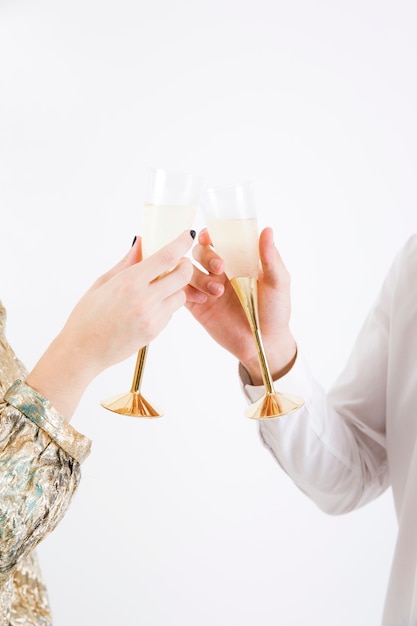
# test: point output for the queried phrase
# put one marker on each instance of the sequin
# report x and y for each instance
(40, 456)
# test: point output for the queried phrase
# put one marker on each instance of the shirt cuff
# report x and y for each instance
(41, 412)
(297, 382)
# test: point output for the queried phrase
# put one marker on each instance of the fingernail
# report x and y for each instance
(200, 297)
(134, 241)
(193, 234)
(216, 289)
(215, 265)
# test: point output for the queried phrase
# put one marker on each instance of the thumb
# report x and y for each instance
(273, 268)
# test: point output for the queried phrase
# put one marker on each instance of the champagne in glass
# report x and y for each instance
(232, 223)
(171, 200)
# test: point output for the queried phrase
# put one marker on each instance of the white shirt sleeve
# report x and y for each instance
(334, 447)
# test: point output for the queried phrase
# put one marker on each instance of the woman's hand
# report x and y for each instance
(123, 310)
(213, 302)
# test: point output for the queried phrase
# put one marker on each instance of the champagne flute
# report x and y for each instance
(232, 223)
(171, 200)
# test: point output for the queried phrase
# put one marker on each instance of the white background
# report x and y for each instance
(188, 520)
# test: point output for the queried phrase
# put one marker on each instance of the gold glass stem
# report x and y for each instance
(133, 403)
(139, 369)
(272, 403)
(246, 288)
(266, 374)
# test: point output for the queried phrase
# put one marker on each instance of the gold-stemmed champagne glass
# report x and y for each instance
(171, 200)
(231, 220)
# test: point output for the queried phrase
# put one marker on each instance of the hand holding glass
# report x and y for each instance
(171, 200)
(232, 223)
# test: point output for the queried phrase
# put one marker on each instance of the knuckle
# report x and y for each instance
(180, 274)
(185, 270)
(169, 258)
(126, 287)
(147, 328)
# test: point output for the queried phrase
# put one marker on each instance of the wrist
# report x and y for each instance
(61, 375)
(281, 355)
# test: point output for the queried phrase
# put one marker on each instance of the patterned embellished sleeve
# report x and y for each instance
(40, 456)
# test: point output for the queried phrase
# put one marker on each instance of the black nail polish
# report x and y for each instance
(193, 233)
(134, 241)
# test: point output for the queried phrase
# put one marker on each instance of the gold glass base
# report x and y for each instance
(133, 403)
(273, 405)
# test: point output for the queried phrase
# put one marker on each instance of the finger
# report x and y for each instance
(194, 296)
(172, 303)
(204, 238)
(207, 284)
(208, 259)
(165, 311)
(169, 256)
(173, 281)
